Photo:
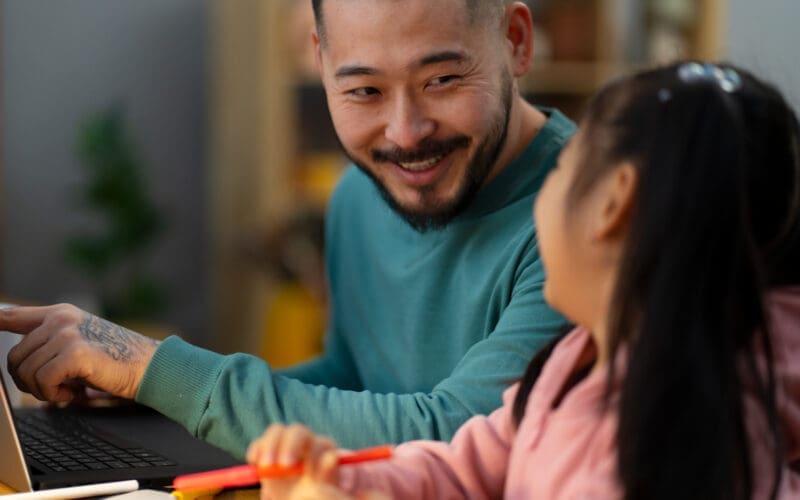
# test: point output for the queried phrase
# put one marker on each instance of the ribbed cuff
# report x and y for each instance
(179, 380)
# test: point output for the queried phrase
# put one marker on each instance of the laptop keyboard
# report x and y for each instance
(68, 444)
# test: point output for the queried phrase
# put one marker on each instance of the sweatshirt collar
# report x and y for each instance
(515, 181)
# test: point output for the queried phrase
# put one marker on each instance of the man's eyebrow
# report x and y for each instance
(355, 70)
(435, 58)
(443, 56)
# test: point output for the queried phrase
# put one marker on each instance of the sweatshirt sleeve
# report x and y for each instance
(472, 465)
(230, 400)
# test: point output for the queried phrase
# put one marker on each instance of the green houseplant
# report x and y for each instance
(113, 254)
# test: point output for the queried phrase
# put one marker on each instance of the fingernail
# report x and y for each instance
(330, 459)
(266, 459)
(287, 460)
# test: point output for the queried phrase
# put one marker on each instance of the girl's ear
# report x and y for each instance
(519, 36)
(618, 194)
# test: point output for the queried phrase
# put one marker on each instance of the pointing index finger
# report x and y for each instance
(22, 319)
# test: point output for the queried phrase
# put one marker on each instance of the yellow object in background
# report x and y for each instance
(217, 494)
(195, 495)
(317, 176)
(294, 316)
(294, 325)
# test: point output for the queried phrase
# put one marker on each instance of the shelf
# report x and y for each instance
(270, 124)
(569, 78)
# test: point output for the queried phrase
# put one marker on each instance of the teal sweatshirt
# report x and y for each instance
(426, 329)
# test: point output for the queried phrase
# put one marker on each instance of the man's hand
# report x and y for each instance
(66, 349)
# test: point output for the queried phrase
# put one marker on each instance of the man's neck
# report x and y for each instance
(524, 123)
(533, 120)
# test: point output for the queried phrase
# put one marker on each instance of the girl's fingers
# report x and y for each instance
(283, 445)
(289, 446)
(328, 467)
(264, 450)
(278, 488)
(295, 445)
(308, 489)
(319, 446)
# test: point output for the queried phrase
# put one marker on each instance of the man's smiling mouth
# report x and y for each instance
(419, 166)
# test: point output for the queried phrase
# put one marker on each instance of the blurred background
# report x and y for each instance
(166, 163)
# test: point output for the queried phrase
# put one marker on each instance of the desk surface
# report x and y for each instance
(225, 495)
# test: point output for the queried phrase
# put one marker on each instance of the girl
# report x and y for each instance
(670, 232)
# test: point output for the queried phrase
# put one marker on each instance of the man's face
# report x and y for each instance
(420, 97)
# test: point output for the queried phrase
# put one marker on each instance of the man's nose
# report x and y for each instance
(408, 124)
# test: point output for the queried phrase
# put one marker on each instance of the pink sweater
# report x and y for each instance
(569, 452)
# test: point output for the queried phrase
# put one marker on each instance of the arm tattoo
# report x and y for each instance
(118, 342)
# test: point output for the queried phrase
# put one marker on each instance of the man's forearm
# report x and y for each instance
(230, 400)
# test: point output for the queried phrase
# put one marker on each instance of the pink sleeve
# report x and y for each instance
(473, 464)
(787, 376)
(785, 340)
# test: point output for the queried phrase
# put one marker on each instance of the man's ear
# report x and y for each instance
(519, 36)
(616, 202)
(317, 50)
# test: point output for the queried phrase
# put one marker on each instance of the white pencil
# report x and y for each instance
(88, 490)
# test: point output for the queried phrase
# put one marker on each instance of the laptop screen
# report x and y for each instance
(13, 471)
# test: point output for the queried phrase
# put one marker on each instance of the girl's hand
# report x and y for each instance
(294, 445)
(303, 488)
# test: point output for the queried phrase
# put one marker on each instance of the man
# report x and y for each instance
(432, 262)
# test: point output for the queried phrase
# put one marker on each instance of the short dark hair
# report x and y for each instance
(477, 9)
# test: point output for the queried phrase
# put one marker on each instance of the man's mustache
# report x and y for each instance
(428, 148)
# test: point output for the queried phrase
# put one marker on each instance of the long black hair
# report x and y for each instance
(715, 225)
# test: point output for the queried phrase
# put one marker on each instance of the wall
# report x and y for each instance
(64, 60)
(764, 37)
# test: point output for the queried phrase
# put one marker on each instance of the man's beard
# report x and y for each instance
(437, 215)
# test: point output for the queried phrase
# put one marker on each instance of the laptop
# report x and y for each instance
(48, 448)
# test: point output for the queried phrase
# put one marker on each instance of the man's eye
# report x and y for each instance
(440, 81)
(363, 92)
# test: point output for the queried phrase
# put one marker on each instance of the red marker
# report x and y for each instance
(247, 475)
